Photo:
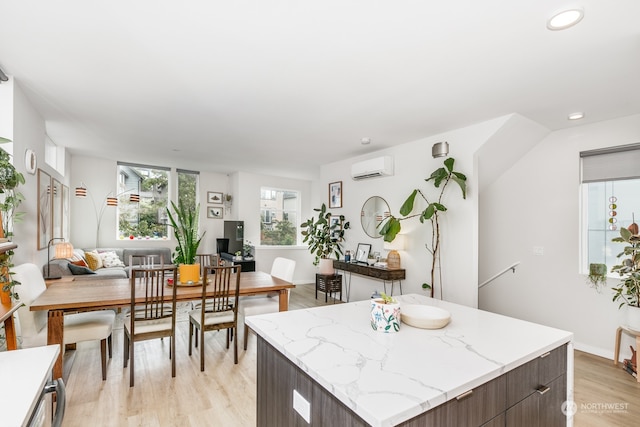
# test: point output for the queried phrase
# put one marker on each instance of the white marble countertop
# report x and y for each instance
(390, 378)
(24, 374)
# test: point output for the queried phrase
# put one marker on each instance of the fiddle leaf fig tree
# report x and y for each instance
(440, 178)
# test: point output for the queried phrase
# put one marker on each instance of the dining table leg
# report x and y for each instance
(55, 335)
(283, 299)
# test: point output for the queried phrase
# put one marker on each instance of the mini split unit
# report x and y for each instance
(372, 168)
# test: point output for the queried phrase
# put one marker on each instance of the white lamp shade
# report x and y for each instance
(397, 244)
(63, 250)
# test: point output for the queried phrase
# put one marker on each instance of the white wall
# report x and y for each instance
(413, 164)
(536, 203)
(28, 133)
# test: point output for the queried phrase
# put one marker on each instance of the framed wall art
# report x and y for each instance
(214, 198)
(44, 209)
(335, 195)
(214, 212)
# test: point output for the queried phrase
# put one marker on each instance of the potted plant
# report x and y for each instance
(385, 314)
(247, 248)
(597, 275)
(185, 229)
(10, 199)
(431, 214)
(324, 237)
(628, 291)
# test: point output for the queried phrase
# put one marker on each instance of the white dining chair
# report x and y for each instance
(282, 268)
(78, 327)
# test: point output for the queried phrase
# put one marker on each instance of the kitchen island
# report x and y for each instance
(480, 369)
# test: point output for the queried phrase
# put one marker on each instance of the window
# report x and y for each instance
(610, 188)
(53, 155)
(146, 218)
(279, 216)
(188, 188)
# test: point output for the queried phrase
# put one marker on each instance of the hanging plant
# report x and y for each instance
(597, 276)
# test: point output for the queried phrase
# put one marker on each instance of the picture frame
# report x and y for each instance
(335, 195)
(215, 212)
(214, 198)
(44, 209)
(362, 253)
(336, 233)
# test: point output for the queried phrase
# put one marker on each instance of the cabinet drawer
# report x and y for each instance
(472, 408)
(552, 365)
(525, 380)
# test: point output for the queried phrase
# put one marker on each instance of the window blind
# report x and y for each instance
(611, 164)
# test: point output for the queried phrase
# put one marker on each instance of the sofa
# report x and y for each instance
(114, 262)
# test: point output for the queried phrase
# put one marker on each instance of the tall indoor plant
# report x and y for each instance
(324, 237)
(440, 178)
(10, 199)
(628, 291)
(185, 229)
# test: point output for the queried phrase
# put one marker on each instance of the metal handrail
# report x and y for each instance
(511, 267)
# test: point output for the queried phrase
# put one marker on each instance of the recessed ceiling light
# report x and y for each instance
(576, 116)
(565, 19)
(365, 141)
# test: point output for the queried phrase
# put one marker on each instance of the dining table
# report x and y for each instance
(100, 294)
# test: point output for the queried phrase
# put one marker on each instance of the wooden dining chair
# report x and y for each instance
(282, 268)
(153, 317)
(220, 293)
(78, 327)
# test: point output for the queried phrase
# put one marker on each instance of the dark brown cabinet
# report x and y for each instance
(536, 391)
(530, 395)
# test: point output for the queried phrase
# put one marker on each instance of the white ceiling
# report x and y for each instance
(284, 86)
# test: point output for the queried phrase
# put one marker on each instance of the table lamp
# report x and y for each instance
(61, 250)
(393, 257)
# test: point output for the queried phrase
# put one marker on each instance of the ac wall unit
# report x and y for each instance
(372, 168)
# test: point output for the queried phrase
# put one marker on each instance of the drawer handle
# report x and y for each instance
(464, 395)
(545, 355)
(543, 389)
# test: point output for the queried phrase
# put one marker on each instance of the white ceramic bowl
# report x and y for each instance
(425, 316)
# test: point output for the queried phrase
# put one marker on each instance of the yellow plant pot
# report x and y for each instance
(189, 273)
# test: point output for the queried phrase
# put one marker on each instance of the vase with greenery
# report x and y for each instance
(10, 199)
(627, 293)
(324, 236)
(440, 179)
(184, 222)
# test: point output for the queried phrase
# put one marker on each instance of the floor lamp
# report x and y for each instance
(61, 250)
(109, 200)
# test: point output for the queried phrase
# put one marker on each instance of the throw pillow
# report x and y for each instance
(78, 269)
(110, 259)
(79, 263)
(93, 260)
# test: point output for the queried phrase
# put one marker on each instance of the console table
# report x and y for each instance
(384, 274)
(247, 265)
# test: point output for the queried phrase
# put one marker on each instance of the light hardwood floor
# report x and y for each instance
(225, 394)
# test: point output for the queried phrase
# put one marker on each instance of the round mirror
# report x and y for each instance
(374, 210)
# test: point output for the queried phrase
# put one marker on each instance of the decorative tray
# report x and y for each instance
(198, 283)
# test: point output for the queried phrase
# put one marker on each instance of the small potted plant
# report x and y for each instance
(597, 275)
(628, 291)
(385, 314)
(247, 248)
(324, 237)
(185, 229)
